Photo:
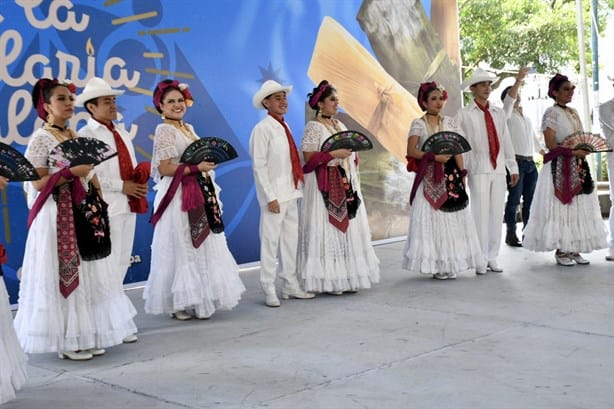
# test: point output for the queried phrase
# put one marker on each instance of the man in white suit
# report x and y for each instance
(99, 100)
(485, 127)
(279, 176)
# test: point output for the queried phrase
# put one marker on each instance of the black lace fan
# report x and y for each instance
(209, 149)
(353, 140)
(14, 166)
(587, 141)
(446, 142)
(80, 151)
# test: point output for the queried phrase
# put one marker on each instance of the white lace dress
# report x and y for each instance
(181, 276)
(438, 241)
(12, 358)
(94, 315)
(328, 259)
(575, 227)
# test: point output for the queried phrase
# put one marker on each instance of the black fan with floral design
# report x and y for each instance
(80, 151)
(209, 149)
(14, 166)
(446, 142)
(353, 140)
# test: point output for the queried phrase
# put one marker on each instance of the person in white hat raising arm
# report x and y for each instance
(485, 127)
(120, 192)
(279, 177)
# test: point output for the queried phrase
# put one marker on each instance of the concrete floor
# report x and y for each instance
(537, 336)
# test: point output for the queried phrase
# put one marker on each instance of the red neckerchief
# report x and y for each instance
(126, 170)
(297, 170)
(491, 130)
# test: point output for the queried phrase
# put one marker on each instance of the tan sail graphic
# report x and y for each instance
(367, 93)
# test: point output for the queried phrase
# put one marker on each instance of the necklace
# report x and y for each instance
(332, 126)
(325, 116)
(433, 129)
(59, 133)
(180, 125)
(572, 116)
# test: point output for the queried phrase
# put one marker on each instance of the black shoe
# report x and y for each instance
(512, 240)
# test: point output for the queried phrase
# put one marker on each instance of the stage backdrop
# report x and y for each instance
(376, 52)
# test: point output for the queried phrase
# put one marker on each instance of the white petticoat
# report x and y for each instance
(576, 227)
(328, 259)
(181, 276)
(441, 242)
(93, 316)
(12, 358)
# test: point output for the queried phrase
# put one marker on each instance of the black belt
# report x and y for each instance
(527, 158)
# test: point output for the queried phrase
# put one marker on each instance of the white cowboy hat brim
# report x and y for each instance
(270, 87)
(96, 87)
(478, 76)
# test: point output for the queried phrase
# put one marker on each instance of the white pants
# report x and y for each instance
(487, 203)
(122, 239)
(279, 236)
(611, 179)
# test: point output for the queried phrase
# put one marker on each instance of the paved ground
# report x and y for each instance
(536, 336)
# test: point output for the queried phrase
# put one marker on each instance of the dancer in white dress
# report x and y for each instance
(12, 358)
(63, 299)
(566, 217)
(439, 243)
(192, 269)
(335, 251)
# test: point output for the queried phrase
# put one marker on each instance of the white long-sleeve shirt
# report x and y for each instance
(471, 121)
(108, 174)
(268, 147)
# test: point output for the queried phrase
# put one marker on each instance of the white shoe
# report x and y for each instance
(75, 355)
(130, 339)
(271, 300)
(610, 255)
(578, 258)
(451, 276)
(563, 259)
(181, 315)
(299, 294)
(203, 316)
(481, 272)
(335, 292)
(440, 276)
(494, 267)
(96, 351)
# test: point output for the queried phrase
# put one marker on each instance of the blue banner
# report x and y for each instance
(223, 50)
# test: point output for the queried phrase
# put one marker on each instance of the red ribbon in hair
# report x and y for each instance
(161, 88)
(427, 87)
(40, 87)
(315, 98)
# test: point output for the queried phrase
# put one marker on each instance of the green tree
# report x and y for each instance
(541, 33)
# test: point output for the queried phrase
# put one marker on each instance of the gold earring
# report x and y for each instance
(50, 118)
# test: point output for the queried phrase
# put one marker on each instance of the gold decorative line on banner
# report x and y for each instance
(135, 17)
(152, 110)
(111, 2)
(5, 216)
(153, 55)
(143, 152)
(142, 91)
(152, 136)
(170, 73)
(159, 31)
